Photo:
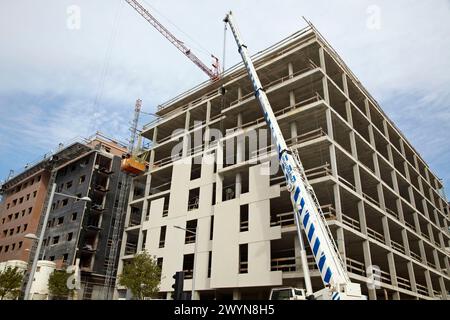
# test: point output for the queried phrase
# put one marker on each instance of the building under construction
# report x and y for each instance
(79, 233)
(383, 204)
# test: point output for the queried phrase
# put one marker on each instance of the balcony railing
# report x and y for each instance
(285, 219)
(244, 226)
(355, 266)
(243, 267)
(285, 264)
(397, 246)
(422, 289)
(375, 235)
(190, 238)
(415, 256)
(251, 94)
(392, 213)
(404, 283)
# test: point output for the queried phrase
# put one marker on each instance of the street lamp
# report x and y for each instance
(41, 236)
(195, 257)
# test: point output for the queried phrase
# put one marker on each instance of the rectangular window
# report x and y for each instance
(13, 246)
(34, 194)
(7, 206)
(18, 229)
(6, 248)
(244, 218)
(21, 200)
(64, 202)
(188, 265)
(69, 236)
(196, 167)
(159, 262)
(11, 232)
(243, 258)
(211, 228)
(39, 178)
(28, 196)
(16, 215)
(55, 240)
(20, 244)
(82, 179)
(29, 210)
(193, 201)
(162, 237)
(68, 185)
(60, 221)
(14, 202)
(23, 213)
(214, 194)
(52, 258)
(74, 216)
(25, 226)
(209, 264)
(191, 227)
(65, 257)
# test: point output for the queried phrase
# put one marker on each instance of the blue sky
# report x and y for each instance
(57, 83)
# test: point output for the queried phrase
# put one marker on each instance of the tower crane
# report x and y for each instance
(213, 73)
(307, 212)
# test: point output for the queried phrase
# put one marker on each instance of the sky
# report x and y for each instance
(70, 68)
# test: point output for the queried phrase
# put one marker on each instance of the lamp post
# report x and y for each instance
(195, 257)
(41, 236)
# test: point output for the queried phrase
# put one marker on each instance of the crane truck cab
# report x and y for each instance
(287, 293)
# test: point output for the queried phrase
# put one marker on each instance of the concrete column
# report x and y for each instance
(392, 269)
(367, 264)
(294, 133)
(362, 218)
(429, 283)
(443, 288)
(291, 99)
(239, 92)
(412, 276)
(219, 177)
(329, 124)
(326, 95)
(186, 138)
(290, 70)
(240, 157)
(208, 118)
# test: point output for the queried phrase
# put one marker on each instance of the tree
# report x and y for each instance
(142, 276)
(57, 285)
(10, 282)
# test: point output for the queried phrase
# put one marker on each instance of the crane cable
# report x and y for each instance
(106, 62)
(197, 45)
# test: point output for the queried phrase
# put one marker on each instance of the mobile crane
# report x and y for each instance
(307, 212)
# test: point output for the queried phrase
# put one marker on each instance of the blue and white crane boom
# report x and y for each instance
(307, 212)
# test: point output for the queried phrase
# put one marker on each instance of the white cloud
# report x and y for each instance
(42, 58)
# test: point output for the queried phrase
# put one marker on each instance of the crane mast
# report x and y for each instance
(213, 73)
(307, 212)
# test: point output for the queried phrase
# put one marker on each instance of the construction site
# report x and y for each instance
(279, 172)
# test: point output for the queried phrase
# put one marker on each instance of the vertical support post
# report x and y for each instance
(39, 245)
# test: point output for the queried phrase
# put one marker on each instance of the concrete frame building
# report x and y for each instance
(384, 205)
(80, 233)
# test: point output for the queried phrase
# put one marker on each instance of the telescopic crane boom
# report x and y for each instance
(307, 212)
(213, 73)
